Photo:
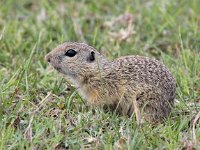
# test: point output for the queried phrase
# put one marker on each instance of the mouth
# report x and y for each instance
(56, 67)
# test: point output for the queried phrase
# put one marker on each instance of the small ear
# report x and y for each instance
(91, 56)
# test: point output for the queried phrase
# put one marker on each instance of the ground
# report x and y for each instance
(40, 110)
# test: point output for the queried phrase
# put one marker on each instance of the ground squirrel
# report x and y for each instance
(131, 83)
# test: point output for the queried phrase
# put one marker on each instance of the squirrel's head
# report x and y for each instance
(75, 59)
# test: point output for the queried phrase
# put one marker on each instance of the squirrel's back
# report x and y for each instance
(143, 70)
(151, 82)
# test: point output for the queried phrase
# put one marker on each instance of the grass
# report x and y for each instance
(38, 108)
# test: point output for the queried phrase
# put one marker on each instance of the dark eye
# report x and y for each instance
(70, 53)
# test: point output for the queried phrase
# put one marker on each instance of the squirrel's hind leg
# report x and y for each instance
(129, 105)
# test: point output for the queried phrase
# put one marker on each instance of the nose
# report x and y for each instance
(48, 58)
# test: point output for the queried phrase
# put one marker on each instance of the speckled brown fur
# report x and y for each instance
(131, 84)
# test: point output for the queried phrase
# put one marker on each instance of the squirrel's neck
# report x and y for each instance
(102, 62)
(94, 73)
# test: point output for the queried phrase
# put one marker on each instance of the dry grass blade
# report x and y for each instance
(42, 102)
(28, 131)
(195, 121)
(2, 33)
(126, 27)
